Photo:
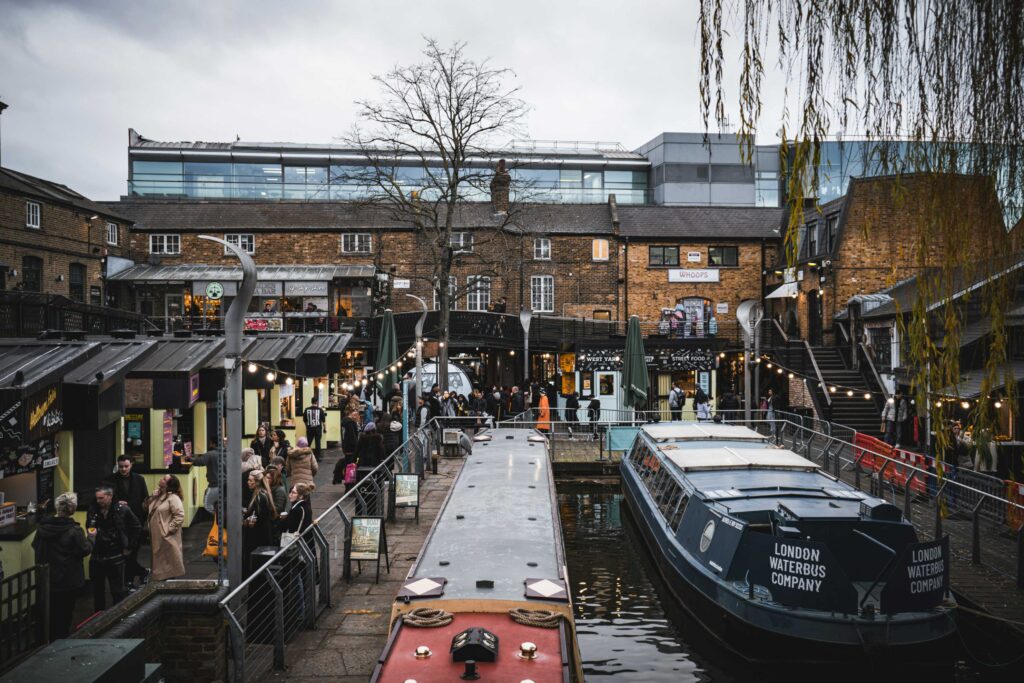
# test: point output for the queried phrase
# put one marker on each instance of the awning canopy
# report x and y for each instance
(179, 356)
(970, 384)
(189, 272)
(784, 291)
(114, 360)
(28, 365)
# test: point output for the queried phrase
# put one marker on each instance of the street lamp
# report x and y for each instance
(750, 316)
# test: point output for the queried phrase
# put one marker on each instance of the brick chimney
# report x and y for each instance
(500, 184)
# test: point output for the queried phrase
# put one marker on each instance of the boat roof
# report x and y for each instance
(662, 432)
(499, 525)
(733, 458)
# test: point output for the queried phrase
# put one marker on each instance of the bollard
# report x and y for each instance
(976, 534)
(908, 511)
(938, 511)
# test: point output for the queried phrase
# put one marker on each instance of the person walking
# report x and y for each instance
(369, 455)
(250, 462)
(302, 465)
(893, 415)
(544, 413)
(702, 404)
(61, 543)
(257, 520)
(129, 487)
(729, 405)
(209, 460)
(166, 516)
(315, 418)
(770, 406)
(572, 408)
(113, 530)
(349, 436)
(300, 513)
(390, 427)
(280, 444)
(516, 402)
(676, 399)
(262, 445)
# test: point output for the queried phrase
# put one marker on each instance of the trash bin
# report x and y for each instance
(259, 623)
(289, 572)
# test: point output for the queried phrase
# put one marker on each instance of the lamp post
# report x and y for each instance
(525, 316)
(418, 381)
(750, 315)
(233, 324)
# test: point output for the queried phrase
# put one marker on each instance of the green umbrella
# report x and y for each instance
(634, 367)
(387, 352)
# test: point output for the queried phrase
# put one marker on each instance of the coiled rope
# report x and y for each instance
(427, 617)
(535, 617)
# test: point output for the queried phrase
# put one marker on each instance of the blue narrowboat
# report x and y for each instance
(779, 560)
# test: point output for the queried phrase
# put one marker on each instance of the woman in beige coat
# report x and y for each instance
(302, 465)
(166, 515)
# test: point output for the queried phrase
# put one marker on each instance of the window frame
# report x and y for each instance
(238, 242)
(357, 238)
(811, 239)
(464, 243)
(735, 249)
(543, 246)
(38, 215)
(164, 237)
(474, 294)
(115, 230)
(34, 260)
(453, 300)
(82, 270)
(662, 249)
(595, 252)
(540, 280)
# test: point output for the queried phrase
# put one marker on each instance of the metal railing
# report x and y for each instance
(26, 314)
(292, 586)
(24, 614)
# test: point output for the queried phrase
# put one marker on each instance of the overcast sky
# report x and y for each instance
(78, 73)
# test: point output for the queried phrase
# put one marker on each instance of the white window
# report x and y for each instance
(243, 240)
(542, 293)
(478, 293)
(462, 241)
(32, 211)
(164, 244)
(453, 286)
(542, 249)
(356, 243)
(112, 236)
(600, 250)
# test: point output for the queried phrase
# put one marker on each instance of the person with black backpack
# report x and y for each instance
(676, 401)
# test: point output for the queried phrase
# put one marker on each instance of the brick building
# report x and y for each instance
(54, 241)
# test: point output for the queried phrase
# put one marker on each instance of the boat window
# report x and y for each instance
(668, 499)
(677, 516)
(654, 482)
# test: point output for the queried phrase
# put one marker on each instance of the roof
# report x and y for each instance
(970, 384)
(201, 215)
(49, 191)
(179, 355)
(700, 222)
(40, 363)
(736, 458)
(114, 360)
(190, 272)
(700, 431)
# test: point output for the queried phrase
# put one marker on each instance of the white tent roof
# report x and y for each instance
(784, 291)
(726, 458)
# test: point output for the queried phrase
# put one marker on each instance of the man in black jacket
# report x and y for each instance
(113, 530)
(129, 487)
(61, 544)
(315, 419)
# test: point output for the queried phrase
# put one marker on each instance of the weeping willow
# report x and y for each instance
(934, 86)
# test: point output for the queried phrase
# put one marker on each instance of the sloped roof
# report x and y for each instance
(269, 273)
(715, 222)
(49, 191)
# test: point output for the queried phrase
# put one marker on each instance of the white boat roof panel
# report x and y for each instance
(700, 431)
(732, 458)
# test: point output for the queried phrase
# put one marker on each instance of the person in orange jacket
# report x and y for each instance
(544, 413)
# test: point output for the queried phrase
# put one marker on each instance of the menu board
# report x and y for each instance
(168, 427)
(407, 490)
(366, 538)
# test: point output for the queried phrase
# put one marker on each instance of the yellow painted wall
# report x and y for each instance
(250, 409)
(199, 427)
(66, 466)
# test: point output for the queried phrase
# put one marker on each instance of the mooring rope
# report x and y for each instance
(535, 617)
(427, 617)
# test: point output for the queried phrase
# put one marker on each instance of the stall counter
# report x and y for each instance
(16, 550)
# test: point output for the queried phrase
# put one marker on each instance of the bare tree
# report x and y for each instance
(428, 145)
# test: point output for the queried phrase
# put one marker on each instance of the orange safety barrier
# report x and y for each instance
(1014, 514)
(898, 470)
(868, 446)
(901, 474)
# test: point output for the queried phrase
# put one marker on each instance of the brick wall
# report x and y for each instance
(65, 236)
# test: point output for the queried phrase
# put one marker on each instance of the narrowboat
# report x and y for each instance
(778, 560)
(488, 597)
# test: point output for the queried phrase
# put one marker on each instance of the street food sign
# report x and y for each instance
(670, 359)
(800, 573)
(919, 580)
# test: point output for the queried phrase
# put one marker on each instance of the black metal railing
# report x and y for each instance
(26, 314)
(24, 614)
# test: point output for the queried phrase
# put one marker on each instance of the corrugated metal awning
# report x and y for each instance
(39, 362)
(114, 360)
(970, 384)
(179, 355)
(198, 272)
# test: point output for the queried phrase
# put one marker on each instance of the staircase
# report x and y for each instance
(852, 411)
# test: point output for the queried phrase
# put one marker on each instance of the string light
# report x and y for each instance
(790, 375)
(891, 400)
(849, 392)
(780, 371)
(938, 404)
(832, 389)
(289, 381)
(965, 404)
(380, 375)
(867, 396)
(998, 404)
(271, 376)
(252, 367)
(769, 366)
(322, 385)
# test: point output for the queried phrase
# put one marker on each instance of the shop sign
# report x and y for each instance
(305, 289)
(693, 275)
(267, 289)
(215, 290)
(693, 256)
(45, 413)
(193, 388)
(168, 438)
(599, 359)
(401, 284)
(722, 307)
(670, 360)
(567, 362)
(264, 324)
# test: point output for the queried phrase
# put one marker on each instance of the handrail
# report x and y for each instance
(778, 326)
(874, 371)
(846, 335)
(817, 371)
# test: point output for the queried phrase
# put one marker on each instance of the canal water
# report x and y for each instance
(629, 629)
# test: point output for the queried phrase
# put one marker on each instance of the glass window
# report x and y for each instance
(542, 293)
(155, 168)
(593, 180)
(112, 234)
(208, 179)
(812, 240)
(453, 301)
(542, 249)
(356, 243)
(164, 244)
(76, 282)
(478, 293)
(830, 227)
(244, 241)
(462, 241)
(32, 215)
(157, 178)
(663, 256)
(600, 250)
(719, 257)
(32, 274)
(606, 385)
(305, 182)
(257, 181)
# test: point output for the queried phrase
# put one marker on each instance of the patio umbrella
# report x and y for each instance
(387, 352)
(634, 367)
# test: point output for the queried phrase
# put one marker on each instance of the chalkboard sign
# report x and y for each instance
(366, 538)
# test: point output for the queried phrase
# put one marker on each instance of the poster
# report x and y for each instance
(34, 456)
(407, 490)
(264, 324)
(193, 388)
(168, 438)
(366, 538)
